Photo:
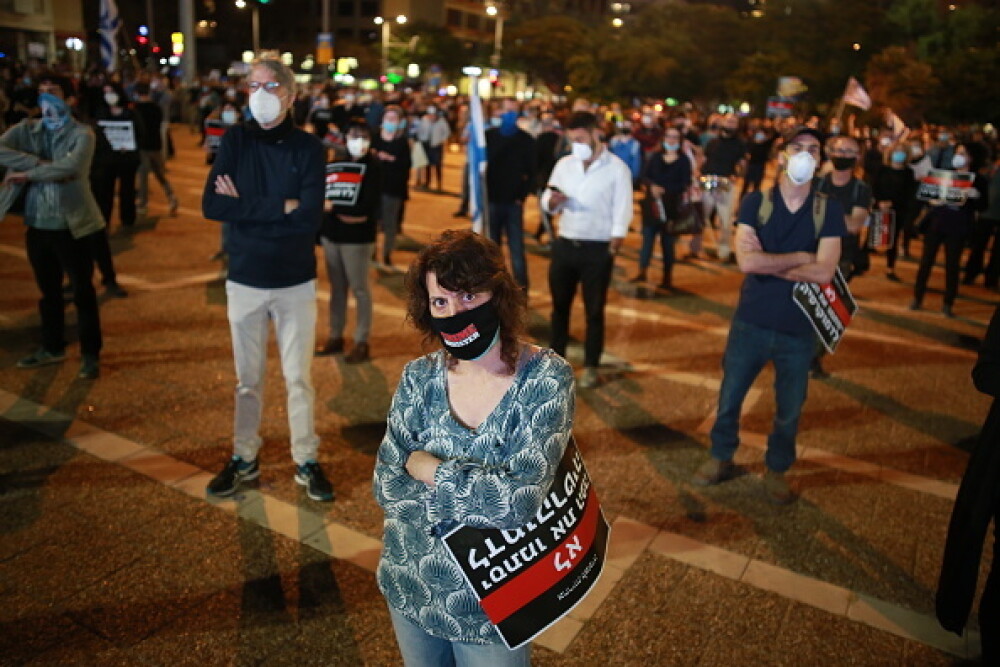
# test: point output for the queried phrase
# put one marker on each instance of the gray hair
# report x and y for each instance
(282, 74)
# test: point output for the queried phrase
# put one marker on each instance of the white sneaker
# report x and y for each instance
(589, 378)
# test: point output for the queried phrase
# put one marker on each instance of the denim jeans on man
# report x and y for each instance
(293, 311)
(506, 219)
(420, 649)
(748, 350)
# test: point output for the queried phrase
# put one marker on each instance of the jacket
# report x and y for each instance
(59, 189)
(268, 248)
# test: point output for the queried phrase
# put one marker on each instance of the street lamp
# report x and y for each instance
(255, 20)
(493, 11)
(386, 36)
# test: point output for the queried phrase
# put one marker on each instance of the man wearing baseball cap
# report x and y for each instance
(782, 238)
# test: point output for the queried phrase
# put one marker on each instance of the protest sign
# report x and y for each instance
(214, 129)
(343, 182)
(829, 308)
(527, 579)
(946, 185)
(119, 133)
(882, 230)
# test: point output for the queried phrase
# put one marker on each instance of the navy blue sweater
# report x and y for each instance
(267, 247)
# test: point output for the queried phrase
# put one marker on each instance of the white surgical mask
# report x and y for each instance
(582, 151)
(959, 162)
(801, 168)
(265, 106)
(229, 117)
(111, 99)
(357, 146)
(884, 142)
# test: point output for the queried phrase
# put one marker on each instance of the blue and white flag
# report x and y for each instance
(107, 28)
(478, 210)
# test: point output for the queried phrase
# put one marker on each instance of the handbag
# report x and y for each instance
(690, 218)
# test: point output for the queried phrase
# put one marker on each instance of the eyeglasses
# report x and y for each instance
(795, 147)
(269, 86)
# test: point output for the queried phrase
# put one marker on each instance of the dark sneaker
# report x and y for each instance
(776, 488)
(358, 354)
(227, 481)
(115, 291)
(330, 347)
(816, 370)
(90, 369)
(41, 357)
(712, 472)
(311, 476)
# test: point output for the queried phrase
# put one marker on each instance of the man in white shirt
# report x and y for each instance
(592, 190)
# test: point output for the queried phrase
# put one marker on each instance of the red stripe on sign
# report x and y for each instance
(341, 177)
(837, 304)
(543, 575)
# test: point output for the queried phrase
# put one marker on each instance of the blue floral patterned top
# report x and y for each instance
(493, 476)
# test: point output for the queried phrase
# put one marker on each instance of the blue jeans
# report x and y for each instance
(650, 231)
(420, 649)
(748, 350)
(506, 220)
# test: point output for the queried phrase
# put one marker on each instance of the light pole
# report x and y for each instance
(386, 37)
(493, 10)
(255, 22)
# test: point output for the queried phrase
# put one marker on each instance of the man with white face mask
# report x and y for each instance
(267, 183)
(795, 242)
(591, 189)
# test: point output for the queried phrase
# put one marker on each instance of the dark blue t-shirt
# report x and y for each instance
(766, 301)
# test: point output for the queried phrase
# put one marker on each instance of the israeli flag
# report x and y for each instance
(107, 28)
(478, 208)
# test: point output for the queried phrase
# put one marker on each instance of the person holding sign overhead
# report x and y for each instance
(786, 235)
(475, 434)
(350, 224)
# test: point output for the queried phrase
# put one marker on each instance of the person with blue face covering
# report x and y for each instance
(50, 158)
(510, 177)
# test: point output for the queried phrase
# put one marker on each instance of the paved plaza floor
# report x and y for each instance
(111, 554)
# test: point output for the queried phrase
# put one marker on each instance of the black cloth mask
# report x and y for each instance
(470, 334)
(842, 163)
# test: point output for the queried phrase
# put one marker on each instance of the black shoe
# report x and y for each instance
(115, 291)
(816, 370)
(330, 347)
(460, 214)
(90, 369)
(358, 354)
(311, 476)
(237, 470)
(914, 305)
(41, 357)
(948, 312)
(893, 277)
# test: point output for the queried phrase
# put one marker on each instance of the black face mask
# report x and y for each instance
(726, 132)
(470, 334)
(842, 163)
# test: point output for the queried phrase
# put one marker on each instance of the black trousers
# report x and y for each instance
(100, 250)
(588, 264)
(983, 231)
(53, 254)
(102, 183)
(953, 247)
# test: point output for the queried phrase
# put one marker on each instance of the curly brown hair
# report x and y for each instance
(464, 261)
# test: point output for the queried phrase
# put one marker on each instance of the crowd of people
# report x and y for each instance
(294, 166)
